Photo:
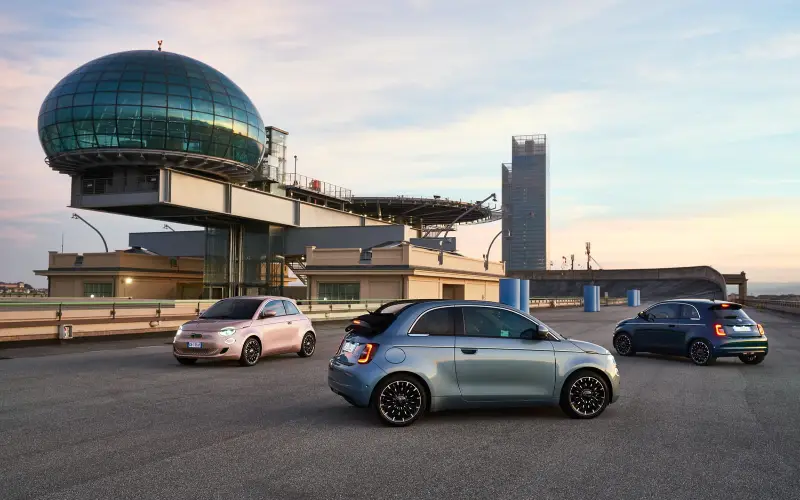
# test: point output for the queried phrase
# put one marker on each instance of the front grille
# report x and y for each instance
(183, 350)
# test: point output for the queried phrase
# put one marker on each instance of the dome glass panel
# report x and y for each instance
(151, 100)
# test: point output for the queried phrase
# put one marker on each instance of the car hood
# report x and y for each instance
(589, 347)
(214, 325)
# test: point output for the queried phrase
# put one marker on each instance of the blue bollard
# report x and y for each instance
(590, 298)
(509, 292)
(631, 298)
(525, 296)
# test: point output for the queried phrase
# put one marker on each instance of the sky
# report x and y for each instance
(673, 125)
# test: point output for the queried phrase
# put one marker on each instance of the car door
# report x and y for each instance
(687, 323)
(654, 334)
(275, 331)
(494, 364)
(295, 321)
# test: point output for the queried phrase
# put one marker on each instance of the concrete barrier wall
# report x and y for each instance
(38, 319)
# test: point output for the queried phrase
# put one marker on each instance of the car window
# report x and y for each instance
(688, 312)
(277, 306)
(232, 309)
(665, 311)
(492, 322)
(731, 313)
(290, 308)
(436, 322)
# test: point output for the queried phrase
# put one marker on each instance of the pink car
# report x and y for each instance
(245, 328)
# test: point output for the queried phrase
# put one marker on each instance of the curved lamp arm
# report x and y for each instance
(76, 216)
(486, 257)
(450, 226)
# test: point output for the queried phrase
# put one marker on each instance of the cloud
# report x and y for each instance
(781, 47)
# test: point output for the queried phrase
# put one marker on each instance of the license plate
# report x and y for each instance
(194, 345)
(349, 347)
(741, 328)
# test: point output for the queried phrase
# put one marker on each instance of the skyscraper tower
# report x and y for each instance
(526, 204)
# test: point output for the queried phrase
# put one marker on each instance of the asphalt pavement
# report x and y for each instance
(122, 420)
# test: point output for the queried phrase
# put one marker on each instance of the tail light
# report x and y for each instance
(760, 330)
(368, 353)
(719, 330)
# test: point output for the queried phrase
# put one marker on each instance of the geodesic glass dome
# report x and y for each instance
(151, 100)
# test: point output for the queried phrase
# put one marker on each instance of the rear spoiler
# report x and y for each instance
(359, 326)
(726, 305)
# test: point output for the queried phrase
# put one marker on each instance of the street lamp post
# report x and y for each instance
(76, 216)
(492, 197)
(486, 257)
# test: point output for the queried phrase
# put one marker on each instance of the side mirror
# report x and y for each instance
(267, 314)
(538, 333)
(643, 315)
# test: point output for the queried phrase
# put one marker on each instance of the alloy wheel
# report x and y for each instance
(309, 344)
(699, 352)
(400, 401)
(587, 395)
(622, 343)
(251, 351)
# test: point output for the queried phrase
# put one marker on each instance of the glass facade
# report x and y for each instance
(151, 100)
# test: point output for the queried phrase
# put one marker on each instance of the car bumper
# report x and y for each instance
(354, 382)
(735, 346)
(209, 350)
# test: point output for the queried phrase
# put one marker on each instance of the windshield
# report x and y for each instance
(239, 309)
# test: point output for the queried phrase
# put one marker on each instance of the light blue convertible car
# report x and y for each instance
(413, 356)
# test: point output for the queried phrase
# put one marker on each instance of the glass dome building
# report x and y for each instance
(151, 108)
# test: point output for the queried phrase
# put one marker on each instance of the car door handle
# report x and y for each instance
(290, 322)
(468, 351)
(671, 326)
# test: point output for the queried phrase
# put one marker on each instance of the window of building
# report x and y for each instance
(342, 292)
(97, 290)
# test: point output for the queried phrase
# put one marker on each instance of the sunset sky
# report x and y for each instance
(673, 125)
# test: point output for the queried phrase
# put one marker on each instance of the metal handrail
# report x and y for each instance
(315, 185)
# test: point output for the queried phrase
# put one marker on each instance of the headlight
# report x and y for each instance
(227, 332)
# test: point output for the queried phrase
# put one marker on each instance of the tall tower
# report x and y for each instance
(526, 204)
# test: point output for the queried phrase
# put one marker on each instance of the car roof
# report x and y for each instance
(261, 297)
(709, 302)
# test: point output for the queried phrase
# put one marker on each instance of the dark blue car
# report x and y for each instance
(700, 329)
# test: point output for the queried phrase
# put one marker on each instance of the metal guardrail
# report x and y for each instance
(317, 186)
(43, 319)
(786, 306)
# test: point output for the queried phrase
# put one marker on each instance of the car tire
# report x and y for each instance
(585, 395)
(701, 353)
(186, 361)
(623, 344)
(308, 345)
(251, 352)
(399, 400)
(752, 359)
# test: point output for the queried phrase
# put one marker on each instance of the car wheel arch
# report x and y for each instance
(413, 375)
(592, 369)
(691, 341)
